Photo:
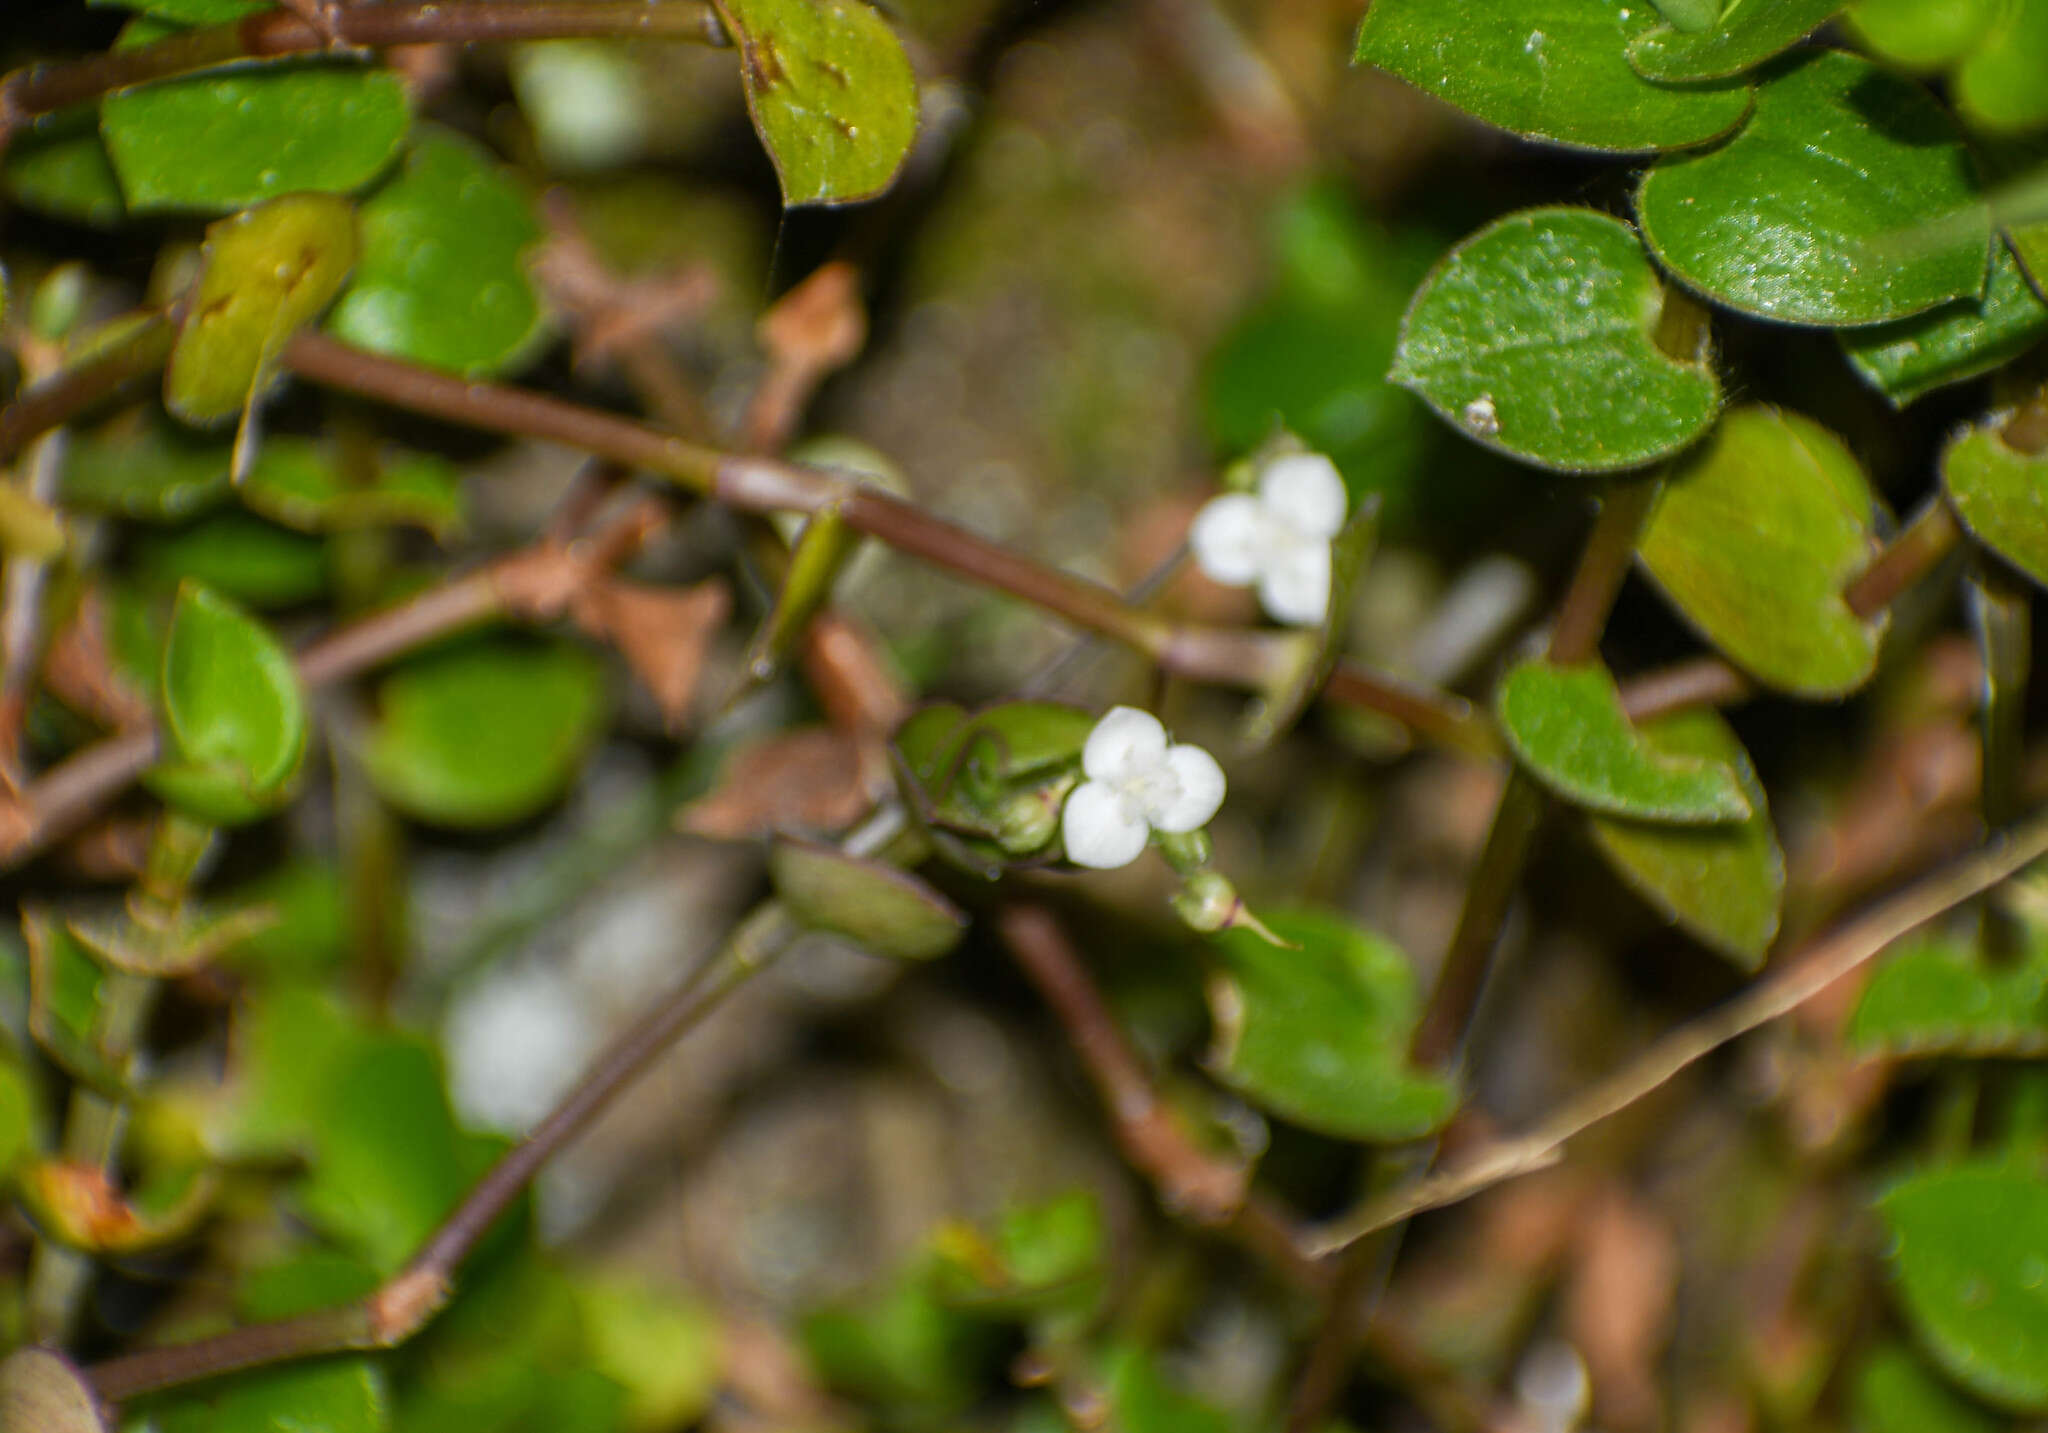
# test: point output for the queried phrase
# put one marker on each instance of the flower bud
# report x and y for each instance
(1027, 822)
(1185, 851)
(1206, 902)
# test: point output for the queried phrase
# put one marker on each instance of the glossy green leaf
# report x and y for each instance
(1755, 536)
(442, 277)
(335, 1396)
(1922, 34)
(1952, 343)
(296, 482)
(233, 711)
(1537, 337)
(1548, 69)
(264, 274)
(1799, 217)
(141, 465)
(1894, 1393)
(240, 556)
(486, 731)
(219, 141)
(1970, 1252)
(2003, 85)
(886, 910)
(64, 171)
(1318, 1034)
(42, 1392)
(1939, 995)
(1723, 885)
(1567, 727)
(831, 93)
(1751, 32)
(2001, 494)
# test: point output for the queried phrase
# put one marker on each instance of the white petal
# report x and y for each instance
(1124, 739)
(1201, 790)
(1295, 587)
(1229, 539)
(1096, 830)
(1305, 491)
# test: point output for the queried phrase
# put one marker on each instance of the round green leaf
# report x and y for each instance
(265, 273)
(239, 556)
(141, 465)
(889, 911)
(41, 1392)
(442, 277)
(1753, 540)
(1723, 885)
(337, 1396)
(2004, 85)
(222, 140)
(64, 171)
(1970, 1250)
(2001, 494)
(294, 482)
(1801, 217)
(1952, 343)
(1894, 1393)
(486, 731)
(832, 95)
(1537, 337)
(233, 711)
(1318, 1034)
(1938, 995)
(1567, 726)
(1549, 69)
(1922, 34)
(1750, 33)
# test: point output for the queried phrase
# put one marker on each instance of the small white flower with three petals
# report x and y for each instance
(1278, 540)
(1137, 784)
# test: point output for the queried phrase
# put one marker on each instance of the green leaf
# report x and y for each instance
(20, 1117)
(336, 1396)
(295, 482)
(1957, 341)
(1319, 1034)
(1894, 1393)
(889, 911)
(1567, 726)
(1938, 995)
(264, 274)
(1043, 1260)
(2001, 494)
(141, 465)
(42, 1392)
(1750, 33)
(309, 932)
(288, 1042)
(1537, 337)
(1798, 218)
(999, 774)
(442, 277)
(64, 171)
(240, 556)
(191, 12)
(485, 731)
(1690, 16)
(1970, 1251)
(901, 1348)
(2003, 86)
(831, 93)
(660, 1346)
(234, 714)
(1142, 1401)
(65, 1001)
(1922, 34)
(1723, 885)
(1548, 69)
(226, 139)
(1755, 536)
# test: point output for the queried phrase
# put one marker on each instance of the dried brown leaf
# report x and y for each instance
(813, 780)
(662, 632)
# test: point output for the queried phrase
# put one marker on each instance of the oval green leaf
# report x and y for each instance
(1537, 337)
(1922, 34)
(1939, 995)
(64, 171)
(1548, 69)
(1723, 885)
(1317, 1031)
(1567, 726)
(265, 273)
(831, 94)
(1895, 1393)
(1970, 1251)
(239, 556)
(442, 278)
(1753, 540)
(1800, 217)
(886, 910)
(233, 712)
(486, 731)
(1957, 341)
(141, 465)
(294, 482)
(1751, 32)
(2001, 494)
(336, 1396)
(219, 141)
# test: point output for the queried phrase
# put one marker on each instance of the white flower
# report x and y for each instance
(1137, 784)
(1279, 539)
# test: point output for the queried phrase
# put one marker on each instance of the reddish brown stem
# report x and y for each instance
(63, 396)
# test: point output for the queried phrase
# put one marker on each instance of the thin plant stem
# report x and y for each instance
(64, 395)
